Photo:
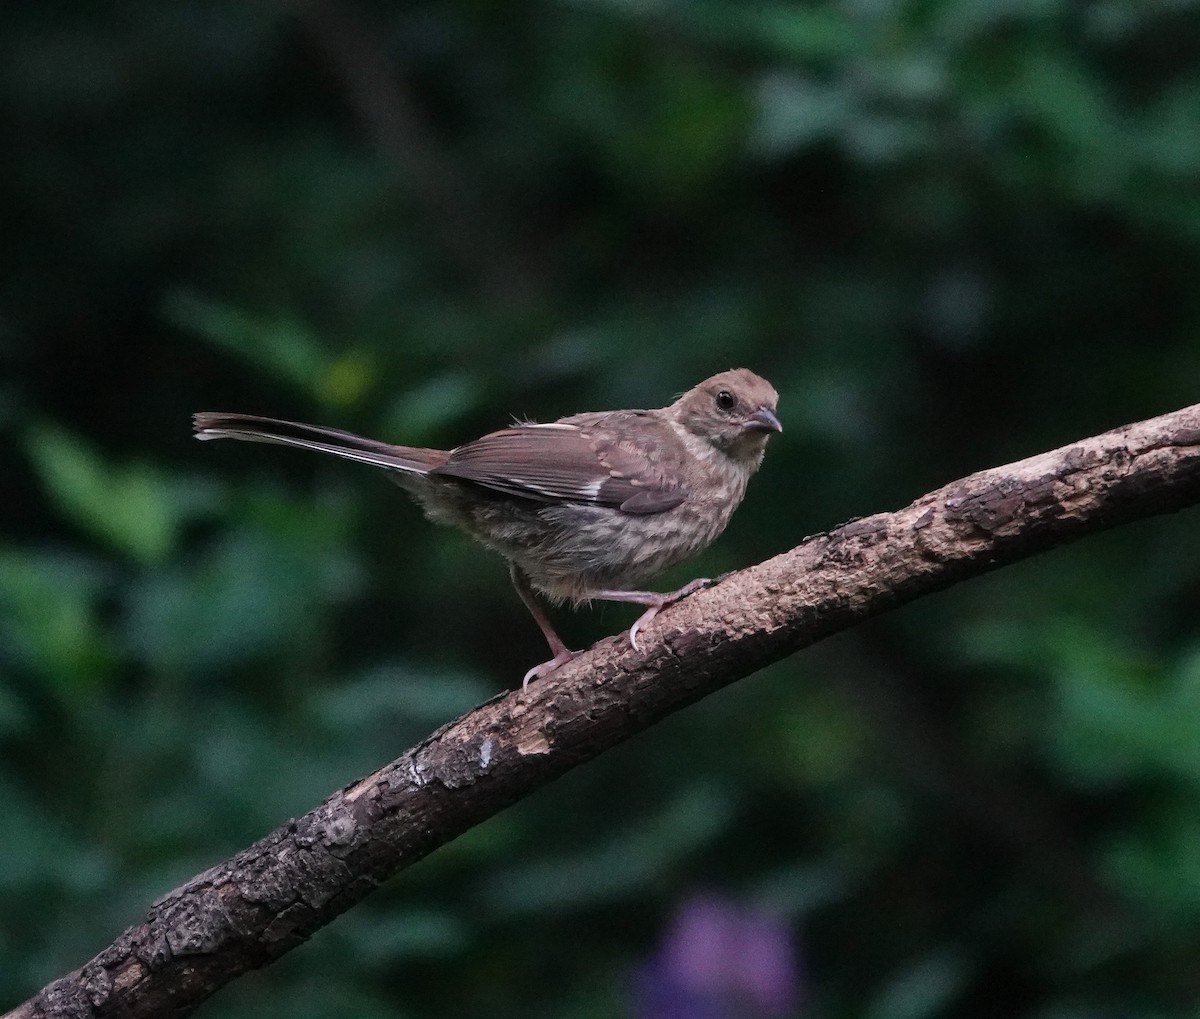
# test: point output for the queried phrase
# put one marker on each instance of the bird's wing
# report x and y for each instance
(562, 462)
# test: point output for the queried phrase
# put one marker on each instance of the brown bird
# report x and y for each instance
(589, 506)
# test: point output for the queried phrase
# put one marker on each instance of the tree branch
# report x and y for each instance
(270, 897)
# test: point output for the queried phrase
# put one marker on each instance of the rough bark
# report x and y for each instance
(270, 897)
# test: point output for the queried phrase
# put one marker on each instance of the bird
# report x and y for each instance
(591, 506)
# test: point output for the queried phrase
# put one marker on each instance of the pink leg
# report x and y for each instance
(562, 653)
(656, 602)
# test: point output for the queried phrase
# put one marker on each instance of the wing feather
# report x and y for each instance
(568, 463)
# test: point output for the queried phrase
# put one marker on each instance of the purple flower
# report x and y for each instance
(720, 960)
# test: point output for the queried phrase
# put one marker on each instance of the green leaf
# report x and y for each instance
(387, 940)
(791, 31)
(1156, 861)
(925, 988)
(50, 617)
(423, 411)
(282, 346)
(132, 508)
(619, 866)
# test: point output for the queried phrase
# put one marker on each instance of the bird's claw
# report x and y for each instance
(661, 603)
(538, 671)
(642, 620)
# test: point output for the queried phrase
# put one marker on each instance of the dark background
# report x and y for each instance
(952, 234)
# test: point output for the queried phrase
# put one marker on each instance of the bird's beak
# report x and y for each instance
(763, 420)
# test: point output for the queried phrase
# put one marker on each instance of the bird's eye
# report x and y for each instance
(726, 400)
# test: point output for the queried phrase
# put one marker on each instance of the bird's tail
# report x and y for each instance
(250, 428)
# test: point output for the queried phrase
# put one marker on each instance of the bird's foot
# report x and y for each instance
(660, 602)
(561, 658)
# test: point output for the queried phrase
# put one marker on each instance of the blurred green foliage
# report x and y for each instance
(951, 232)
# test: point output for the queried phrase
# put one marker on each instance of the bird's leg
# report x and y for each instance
(562, 653)
(656, 602)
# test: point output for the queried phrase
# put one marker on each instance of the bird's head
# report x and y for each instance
(733, 411)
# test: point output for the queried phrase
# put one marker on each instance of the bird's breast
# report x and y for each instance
(570, 549)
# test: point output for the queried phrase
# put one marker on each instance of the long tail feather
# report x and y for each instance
(251, 428)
